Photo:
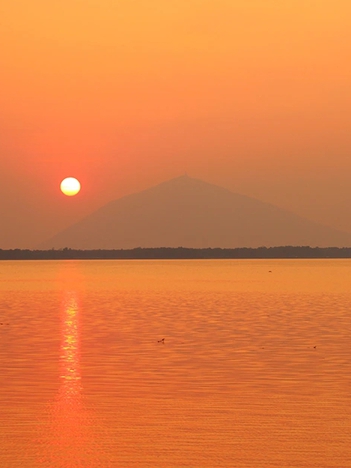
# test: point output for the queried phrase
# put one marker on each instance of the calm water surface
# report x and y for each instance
(254, 371)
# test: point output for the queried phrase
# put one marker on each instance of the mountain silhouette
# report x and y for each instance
(187, 212)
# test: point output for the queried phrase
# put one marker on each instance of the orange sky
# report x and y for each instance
(252, 95)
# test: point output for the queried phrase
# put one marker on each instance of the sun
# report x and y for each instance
(70, 186)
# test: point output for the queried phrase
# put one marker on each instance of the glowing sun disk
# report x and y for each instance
(70, 186)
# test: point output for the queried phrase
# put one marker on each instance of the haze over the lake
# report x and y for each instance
(250, 95)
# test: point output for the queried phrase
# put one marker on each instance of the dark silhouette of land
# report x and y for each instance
(178, 253)
(191, 213)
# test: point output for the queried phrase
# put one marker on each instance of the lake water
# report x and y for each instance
(254, 370)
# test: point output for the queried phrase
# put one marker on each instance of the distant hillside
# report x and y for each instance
(187, 212)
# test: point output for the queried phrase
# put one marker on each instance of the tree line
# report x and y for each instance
(177, 253)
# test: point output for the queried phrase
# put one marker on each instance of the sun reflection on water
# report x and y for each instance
(70, 390)
(71, 441)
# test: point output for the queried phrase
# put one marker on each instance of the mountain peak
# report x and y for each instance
(188, 212)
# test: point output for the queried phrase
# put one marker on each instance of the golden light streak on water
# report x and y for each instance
(71, 441)
(70, 391)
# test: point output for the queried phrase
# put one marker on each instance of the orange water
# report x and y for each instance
(255, 369)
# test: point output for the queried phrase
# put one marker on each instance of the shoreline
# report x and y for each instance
(181, 253)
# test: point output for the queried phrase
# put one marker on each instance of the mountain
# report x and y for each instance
(187, 212)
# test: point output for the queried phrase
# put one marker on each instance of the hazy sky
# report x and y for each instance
(252, 95)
